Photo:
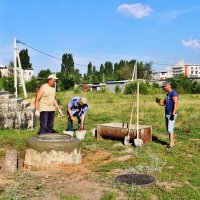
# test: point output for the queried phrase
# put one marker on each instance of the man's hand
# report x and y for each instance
(80, 127)
(60, 112)
(37, 113)
(158, 100)
(171, 117)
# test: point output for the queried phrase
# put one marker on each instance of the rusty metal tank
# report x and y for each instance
(117, 131)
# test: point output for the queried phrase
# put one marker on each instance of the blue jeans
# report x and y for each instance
(46, 122)
(70, 126)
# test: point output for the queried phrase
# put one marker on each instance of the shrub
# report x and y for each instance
(103, 90)
(131, 88)
(118, 89)
(77, 90)
(32, 85)
(196, 88)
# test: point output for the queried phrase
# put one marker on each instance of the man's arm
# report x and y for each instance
(82, 121)
(175, 99)
(58, 108)
(56, 104)
(38, 97)
(69, 111)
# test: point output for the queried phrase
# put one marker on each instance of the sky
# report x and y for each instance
(164, 32)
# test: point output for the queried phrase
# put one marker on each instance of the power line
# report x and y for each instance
(18, 41)
(47, 54)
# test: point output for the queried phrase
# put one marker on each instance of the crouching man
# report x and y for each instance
(76, 108)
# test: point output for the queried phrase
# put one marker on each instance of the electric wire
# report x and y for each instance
(18, 41)
(47, 54)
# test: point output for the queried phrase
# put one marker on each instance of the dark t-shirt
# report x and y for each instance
(169, 103)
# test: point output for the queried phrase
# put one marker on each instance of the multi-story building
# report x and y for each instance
(4, 71)
(189, 70)
(162, 75)
(27, 73)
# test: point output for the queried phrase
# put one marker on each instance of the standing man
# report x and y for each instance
(77, 107)
(171, 105)
(45, 104)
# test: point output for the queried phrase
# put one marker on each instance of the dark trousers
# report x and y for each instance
(70, 123)
(46, 122)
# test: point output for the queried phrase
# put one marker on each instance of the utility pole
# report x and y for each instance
(21, 75)
(15, 67)
(17, 58)
(134, 75)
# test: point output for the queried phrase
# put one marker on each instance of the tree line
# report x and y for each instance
(69, 75)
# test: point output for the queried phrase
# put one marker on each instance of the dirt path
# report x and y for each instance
(77, 181)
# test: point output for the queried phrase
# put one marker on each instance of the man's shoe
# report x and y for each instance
(169, 147)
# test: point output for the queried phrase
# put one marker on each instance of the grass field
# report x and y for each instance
(177, 172)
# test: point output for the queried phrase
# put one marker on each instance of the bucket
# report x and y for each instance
(80, 134)
(71, 133)
(94, 132)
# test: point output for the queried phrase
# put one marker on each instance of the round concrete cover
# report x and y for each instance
(57, 142)
(137, 179)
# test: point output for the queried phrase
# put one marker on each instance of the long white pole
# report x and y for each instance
(21, 75)
(138, 88)
(136, 70)
(15, 67)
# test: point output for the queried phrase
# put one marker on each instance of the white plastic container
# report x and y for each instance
(71, 133)
(80, 134)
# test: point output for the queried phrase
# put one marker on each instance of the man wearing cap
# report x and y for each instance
(171, 105)
(45, 104)
(77, 107)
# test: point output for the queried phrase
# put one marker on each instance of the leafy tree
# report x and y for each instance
(8, 84)
(89, 72)
(102, 73)
(196, 87)
(67, 65)
(108, 70)
(182, 84)
(131, 88)
(25, 59)
(32, 85)
(67, 81)
(44, 73)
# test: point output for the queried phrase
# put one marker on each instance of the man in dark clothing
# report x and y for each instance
(171, 105)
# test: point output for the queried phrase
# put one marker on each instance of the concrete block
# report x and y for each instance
(10, 161)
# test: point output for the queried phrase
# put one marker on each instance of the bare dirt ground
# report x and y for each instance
(77, 181)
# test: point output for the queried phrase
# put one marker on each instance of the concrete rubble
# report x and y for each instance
(15, 113)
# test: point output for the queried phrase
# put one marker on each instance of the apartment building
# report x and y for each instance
(27, 73)
(189, 70)
(162, 75)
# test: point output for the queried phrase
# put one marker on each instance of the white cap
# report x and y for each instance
(82, 101)
(52, 76)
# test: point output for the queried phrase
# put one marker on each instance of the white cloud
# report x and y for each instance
(191, 43)
(134, 10)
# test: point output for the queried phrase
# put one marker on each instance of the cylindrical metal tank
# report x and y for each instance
(118, 131)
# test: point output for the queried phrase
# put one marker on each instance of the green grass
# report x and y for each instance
(178, 169)
(108, 196)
